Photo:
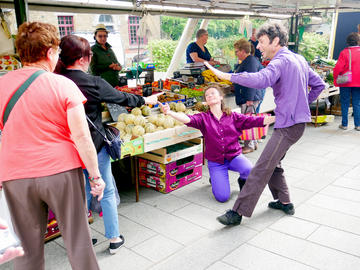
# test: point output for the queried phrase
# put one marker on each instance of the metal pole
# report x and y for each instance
(181, 47)
(21, 11)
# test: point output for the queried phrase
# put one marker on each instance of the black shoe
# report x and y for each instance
(286, 208)
(230, 218)
(241, 182)
(114, 247)
(94, 241)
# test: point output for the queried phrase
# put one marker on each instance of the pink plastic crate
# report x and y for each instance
(168, 183)
(170, 169)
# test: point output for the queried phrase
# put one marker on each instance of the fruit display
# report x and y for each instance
(197, 91)
(211, 77)
(132, 90)
(8, 63)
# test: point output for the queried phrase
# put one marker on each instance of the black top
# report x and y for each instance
(242, 93)
(97, 90)
(257, 51)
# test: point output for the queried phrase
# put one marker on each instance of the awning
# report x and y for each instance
(224, 9)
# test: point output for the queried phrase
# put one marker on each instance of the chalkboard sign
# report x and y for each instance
(115, 110)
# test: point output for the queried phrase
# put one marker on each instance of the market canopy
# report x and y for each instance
(193, 8)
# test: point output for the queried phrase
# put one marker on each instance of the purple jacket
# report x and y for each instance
(222, 137)
(290, 76)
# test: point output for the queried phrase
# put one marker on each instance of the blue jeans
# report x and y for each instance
(345, 94)
(220, 177)
(108, 202)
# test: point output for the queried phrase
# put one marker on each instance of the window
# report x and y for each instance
(66, 25)
(105, 19)
(133, 24)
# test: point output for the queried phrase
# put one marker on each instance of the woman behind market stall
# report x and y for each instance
(349, 90)
(44, 142)
(104, 62)
(74, 62)
(221, 129)
(197, 52)
(247, 98)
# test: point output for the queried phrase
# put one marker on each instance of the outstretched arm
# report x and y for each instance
(183, 118)
(218, 73)
(269, 120)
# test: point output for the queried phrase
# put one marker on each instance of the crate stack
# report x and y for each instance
(172, 167)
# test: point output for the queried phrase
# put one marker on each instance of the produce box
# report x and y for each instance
(133, 147)
(168, 97)
(170, 169)
(321, 119)
(168, 137)
(168, 184)
(175, 152)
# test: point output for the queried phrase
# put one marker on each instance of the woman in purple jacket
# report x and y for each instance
(221, 129)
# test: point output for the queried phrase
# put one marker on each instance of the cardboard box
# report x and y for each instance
(168, 184)
(133, 147)
(164, 156)
(168, 137)
(170, 169)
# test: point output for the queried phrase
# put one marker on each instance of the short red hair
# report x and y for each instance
(34, 39)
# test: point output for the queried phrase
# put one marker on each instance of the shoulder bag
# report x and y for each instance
(111, 138)
(15, 97)
(255, 133)
(347, 76)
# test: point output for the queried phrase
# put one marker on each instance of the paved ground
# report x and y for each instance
(178, 231)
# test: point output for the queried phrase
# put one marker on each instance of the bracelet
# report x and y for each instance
(94, 179)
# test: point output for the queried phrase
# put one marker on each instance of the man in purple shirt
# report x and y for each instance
(290, 77)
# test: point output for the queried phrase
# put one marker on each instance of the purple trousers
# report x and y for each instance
(220, 177)
(267, 170)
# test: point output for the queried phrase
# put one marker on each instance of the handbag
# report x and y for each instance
(15, 97)
(112, 139)
(347, 76)
(255, 133)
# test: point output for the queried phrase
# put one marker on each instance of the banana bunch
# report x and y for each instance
(211, 77)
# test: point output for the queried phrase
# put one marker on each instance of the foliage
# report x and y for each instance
(314, 45)
(172, 27)
(162, 51)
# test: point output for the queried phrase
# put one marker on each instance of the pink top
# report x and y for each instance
(36, 140)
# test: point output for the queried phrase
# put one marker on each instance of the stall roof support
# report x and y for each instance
(21, 11)
(181, 47)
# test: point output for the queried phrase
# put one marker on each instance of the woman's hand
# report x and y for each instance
(165, 108)
(269, 120)
(153, 99)
(115, 66)
(97, 188)
(11, 252)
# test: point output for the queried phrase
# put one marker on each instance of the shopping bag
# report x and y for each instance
(255, 133)
(4, 210)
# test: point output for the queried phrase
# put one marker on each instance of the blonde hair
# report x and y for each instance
(243, 44)
(224, 108)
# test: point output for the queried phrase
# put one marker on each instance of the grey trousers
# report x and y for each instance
(267, 170)
(28, 201)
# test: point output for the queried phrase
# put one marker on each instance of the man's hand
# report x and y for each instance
(153, 99)
(115, 66)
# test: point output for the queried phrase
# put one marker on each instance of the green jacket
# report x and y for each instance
(100, 62)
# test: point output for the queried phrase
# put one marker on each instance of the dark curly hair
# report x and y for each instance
(273, 30)
(353, 39)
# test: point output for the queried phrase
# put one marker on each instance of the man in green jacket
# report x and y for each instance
(104, 62)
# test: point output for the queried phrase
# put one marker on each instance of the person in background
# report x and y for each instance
(11, 252)
(262, 91)
(197, 52)
(290, 76)
(255, 42)
(351, 90)
(247, 98)
(41, 162)
(221, 129)
(104, 62)
(74, 61)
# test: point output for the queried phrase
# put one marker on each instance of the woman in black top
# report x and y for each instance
(73, 63)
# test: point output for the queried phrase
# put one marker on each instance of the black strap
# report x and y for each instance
(247, 107)
(18, 94)
(104, 136)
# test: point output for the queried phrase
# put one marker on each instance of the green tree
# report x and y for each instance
(314, 45)
(162, 52)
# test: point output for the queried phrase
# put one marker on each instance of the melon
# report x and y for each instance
(168, 123)
(145, 111)
(180, 107)
(128, 128)
(139, 120)
(152, 119)
(129, 119)
(138, 131)
(150, 128)
(120, 125)
(121, 117)
(136, 111)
